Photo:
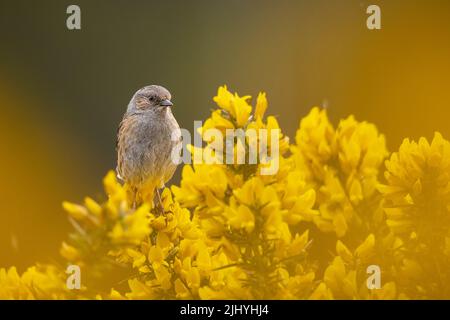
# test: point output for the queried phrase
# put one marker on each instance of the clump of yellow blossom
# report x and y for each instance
(343, 166)
(417, 206)
(310, 230)
(37, 282)
(246, 215)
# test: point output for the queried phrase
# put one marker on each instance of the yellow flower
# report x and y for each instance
(341, 281)
(140, 290)
(240, 216)
(38, 282)
(362, 254)
(343, 167)
(361, 152)
(418, 188)
(315, 140)
(322, 292)
(69, 252)
(236, 106)
(133, 228)
(417, 206)
(386, 292)
(298, 198)
(261, 105)
(217, 121)
(336, 210)
(201, 184)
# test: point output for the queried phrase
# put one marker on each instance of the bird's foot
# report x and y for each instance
(159, 208)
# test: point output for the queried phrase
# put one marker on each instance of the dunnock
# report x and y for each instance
(146, 138)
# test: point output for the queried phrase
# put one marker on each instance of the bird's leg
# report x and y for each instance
(164, 210)
(159, 205)
(134, 204)
(132, 195)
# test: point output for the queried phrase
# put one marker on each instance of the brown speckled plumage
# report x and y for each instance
(146, 138)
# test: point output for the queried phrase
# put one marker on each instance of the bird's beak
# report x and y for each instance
(166, 103)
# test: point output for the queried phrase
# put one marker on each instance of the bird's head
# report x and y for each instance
(150, 98)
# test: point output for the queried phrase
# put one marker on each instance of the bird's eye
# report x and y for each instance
(152, 98)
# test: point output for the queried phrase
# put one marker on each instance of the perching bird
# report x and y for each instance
(148, 141)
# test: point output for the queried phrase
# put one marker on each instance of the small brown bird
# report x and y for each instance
(148, 139)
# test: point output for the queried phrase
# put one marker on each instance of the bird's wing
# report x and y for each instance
(119, 131)
(119, 136)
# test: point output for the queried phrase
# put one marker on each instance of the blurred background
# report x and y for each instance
(63, 93)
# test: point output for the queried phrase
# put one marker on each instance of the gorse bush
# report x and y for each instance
(338, 204)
